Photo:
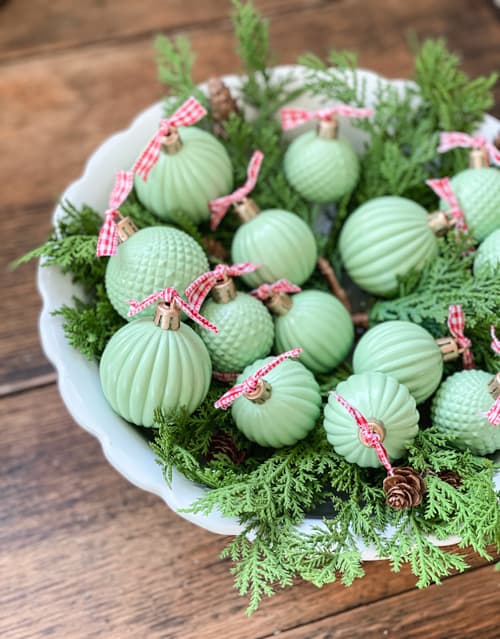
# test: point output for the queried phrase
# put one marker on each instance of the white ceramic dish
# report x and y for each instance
(78, 379)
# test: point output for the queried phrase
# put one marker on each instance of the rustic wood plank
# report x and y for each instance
(31, 27)
(86, 554)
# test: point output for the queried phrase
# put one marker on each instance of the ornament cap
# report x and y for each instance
(376, 426)
(261, 394)
(494, 386)
(279, 303)
(172, 142)
(246, 209)
(167, 317)
(440, 223)
(449, 348)
(224, 291)
(328, 129)
(479, 158)
(125, 228)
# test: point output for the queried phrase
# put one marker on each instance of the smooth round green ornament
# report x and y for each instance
(377, 396)
(487, 258)
(144, 367)
(152, 259)
(279, 240)
(404, 350)
(321, 170)
(319, 324)
(383, 238)
(290, 412)
(458, 410)
(245, 334)
(478, 193)
(188, 179)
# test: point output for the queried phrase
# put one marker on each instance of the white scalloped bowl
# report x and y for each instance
(78, 378)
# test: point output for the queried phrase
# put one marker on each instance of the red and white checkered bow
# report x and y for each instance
(370, 437)
(456, 325)
(197, 291)
(442, 188)
(219, 207)
(188, 113)
(495, 342)
(251, 383)
(453, 139)
(171, 296)
(493, 415)
(265, 291)
(290, 118)
(107, 243)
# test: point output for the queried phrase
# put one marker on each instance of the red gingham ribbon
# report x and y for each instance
(495, 342)
(456, 324)
(493, 415)
(442, 188)
(170, 295)
(224, 377)
(219, 207)
(197, 291)
(188, 113)
(107, 242)
(369, 437)
(291, 118)
(453, 139)
(250, 384)
(265, 291)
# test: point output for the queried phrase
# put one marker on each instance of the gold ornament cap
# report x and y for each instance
(478, 159)
(376, 426)
(279, 303)
(494, 386)
(167, 317)
(126, 228)
(224, 291)
(440, 222)
(172, 142)
(246, 209)
(261, 394)
(328, 129)
(449, 348)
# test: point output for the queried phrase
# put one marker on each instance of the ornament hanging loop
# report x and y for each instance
(224, 291)
(167, 316)
(494, 386)
(125, 228)
(450, 350)
(479, 158)
(261, 394)
(279, 303)
(172, 142)
(440, 223)
(328, 129)
(246, 209)
(376, 426)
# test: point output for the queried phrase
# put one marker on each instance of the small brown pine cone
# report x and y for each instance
(404, 488)
(222, 103)
(216, 251)
(450, 477)
(224, 443)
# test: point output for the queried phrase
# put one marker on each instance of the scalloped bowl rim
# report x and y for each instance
(78, 379)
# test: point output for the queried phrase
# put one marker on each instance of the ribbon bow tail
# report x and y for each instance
(107, 242)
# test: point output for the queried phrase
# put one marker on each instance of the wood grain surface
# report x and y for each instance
(83, 553)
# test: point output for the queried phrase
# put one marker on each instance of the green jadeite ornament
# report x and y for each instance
(478, 193)
(245, 332)
(487, 258)
(405, 351)
(187, 179)
(279, 240)
(458, 410)
(288, 414)
(321, 170)
(319, 324)
(377, 396)
(386, 237)
(152, 259)
(145, 367)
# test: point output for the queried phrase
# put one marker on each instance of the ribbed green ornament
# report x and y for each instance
(376, 396)
(188, 179)
(404, 350)
(478, 193)
(487, 258)
(321, 170)
(152, 259)
(386, 237)
(279, 240)
(458, 410)
(245, 332)
(319, 324)
(290, 412)
(144, 367)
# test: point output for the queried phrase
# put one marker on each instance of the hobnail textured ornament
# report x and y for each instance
(378, 397)
(459, 408)
(386, 237)
(144, 367)
(187, 179)
(478, 192)
(289, 409)
(319, 324)
(152, 259)
(405, 351)
(487, 258)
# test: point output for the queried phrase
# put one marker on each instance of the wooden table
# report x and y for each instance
(84, 554)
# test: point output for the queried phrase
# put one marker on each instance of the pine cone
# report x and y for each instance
(450, 477)
(222, 104)
(215, 250)
(404, 488)
(223, 443)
